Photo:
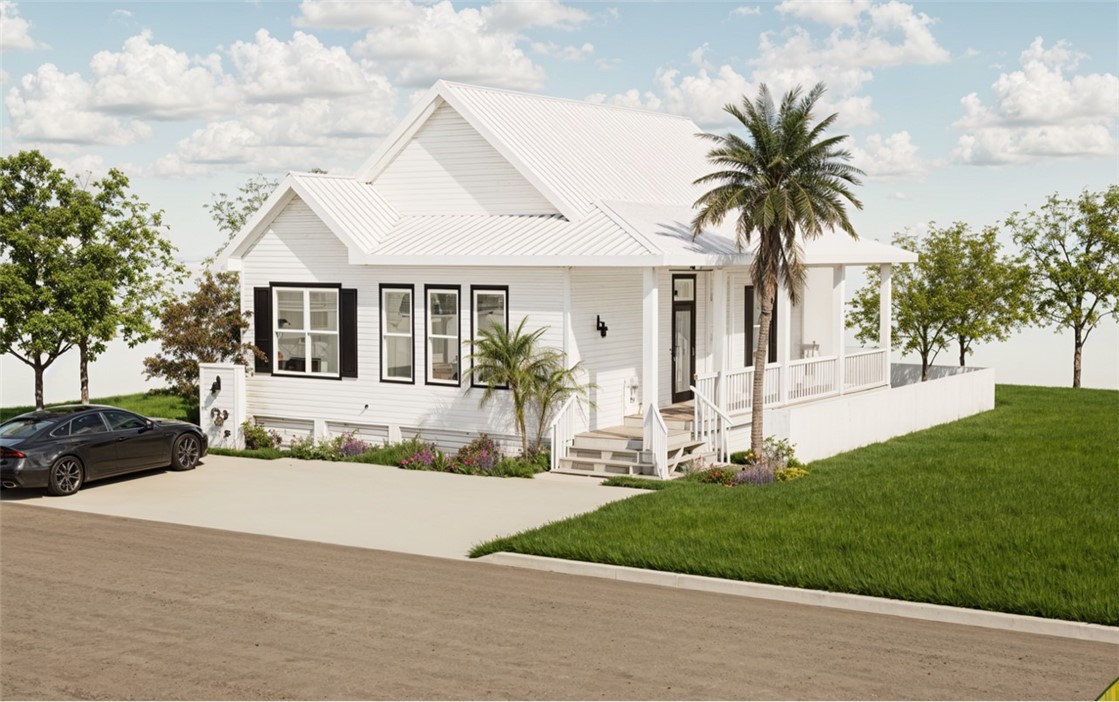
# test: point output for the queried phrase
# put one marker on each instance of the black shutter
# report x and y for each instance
(347, 313)
(262, 327)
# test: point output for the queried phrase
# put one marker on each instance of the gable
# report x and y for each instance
(449, 168)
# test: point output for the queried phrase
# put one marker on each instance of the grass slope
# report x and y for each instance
(164, 405)
(1013, 510)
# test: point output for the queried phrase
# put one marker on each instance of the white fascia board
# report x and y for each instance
(399, 137)
(861, 258)
(566, 208)
(275, 203)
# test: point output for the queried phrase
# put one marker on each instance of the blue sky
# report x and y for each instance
(956, 110)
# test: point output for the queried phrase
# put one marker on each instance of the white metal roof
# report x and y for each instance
(356, 207)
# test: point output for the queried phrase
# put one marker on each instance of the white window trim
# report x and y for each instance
(308, 352)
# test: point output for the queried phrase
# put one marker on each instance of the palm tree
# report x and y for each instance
(516, 361)
(559, 384)
(787, 181)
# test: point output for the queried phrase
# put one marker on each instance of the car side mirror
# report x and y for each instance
(149, 424)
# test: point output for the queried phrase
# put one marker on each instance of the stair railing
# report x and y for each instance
(655, 439)
(712, 425)
(563, 431)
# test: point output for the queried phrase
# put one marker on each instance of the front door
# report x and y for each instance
(683, 336)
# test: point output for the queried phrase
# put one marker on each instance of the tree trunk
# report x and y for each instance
(924, 367)
(39, 368)
(83, 351)
(1078, 346)
(761, 355)
(963, 352)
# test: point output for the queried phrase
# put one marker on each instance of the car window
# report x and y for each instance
(124, 420)
(23, 427)
(87, 424)
(62, 430)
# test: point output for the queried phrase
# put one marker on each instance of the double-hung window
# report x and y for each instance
(443, 335)
(397, 353)
(306, 324)
(489, 307)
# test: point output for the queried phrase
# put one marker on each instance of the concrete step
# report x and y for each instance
(603, 467)
(636, 420)
(580, 452)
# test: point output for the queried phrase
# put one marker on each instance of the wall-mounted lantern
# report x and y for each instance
(216, 387)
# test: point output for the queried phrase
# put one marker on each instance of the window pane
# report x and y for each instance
(490, 310)
(443, 312)
(444, 359)
(324, 310)
(324, 353)
(398, 311)
(398, 357)
(289, 309)
(290, 351)
(89, 424)
(121, 420)
(683, 289)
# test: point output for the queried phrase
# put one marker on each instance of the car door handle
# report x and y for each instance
(120, 438)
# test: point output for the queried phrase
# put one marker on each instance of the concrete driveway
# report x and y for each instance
(352, 504)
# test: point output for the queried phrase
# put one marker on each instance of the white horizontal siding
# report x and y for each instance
(449, 168)
(614, 294)
(299, 248)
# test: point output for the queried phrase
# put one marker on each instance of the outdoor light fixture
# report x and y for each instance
(600, 326)
(216, 387)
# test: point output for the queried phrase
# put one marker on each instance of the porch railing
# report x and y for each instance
(655, 435)
(711, 424)
(865, 369)
(802, 380)
(563, 431)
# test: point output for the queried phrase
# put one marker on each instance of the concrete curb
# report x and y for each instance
(837, 600)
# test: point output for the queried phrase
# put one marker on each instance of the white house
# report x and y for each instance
(491, 206)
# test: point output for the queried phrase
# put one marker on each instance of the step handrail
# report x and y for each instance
(711, 424)
(563, 431)
(655, 439)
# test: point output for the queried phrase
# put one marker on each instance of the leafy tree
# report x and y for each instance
(203, 326)
(785, 183)
(41, 212)
(128, 266)
(960, 290)
(536, 377)
(231, 213)
(1073, 249)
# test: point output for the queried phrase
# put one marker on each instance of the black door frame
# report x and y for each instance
(690, 306)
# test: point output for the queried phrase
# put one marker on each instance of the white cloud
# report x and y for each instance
(15, 32)
(124, 14)
(1040, 112)
(890, 157)
(515, 15)
(270, 70)
(898, 196)
(746, 11)
(340, 14)
(440, 42)
(833, 12)
(154, 80)
(50, 106)
(864, 37)
(564, 53)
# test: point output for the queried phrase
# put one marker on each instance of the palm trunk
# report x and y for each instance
(83, 351)
(761, 355)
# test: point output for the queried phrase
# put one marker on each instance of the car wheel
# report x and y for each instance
(187, 451)
(66, 476)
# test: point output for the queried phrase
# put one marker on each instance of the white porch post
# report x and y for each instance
(650, 339)
(719, 333)
(838, 311)
(885, 310)
(570, 346)
(784, 339)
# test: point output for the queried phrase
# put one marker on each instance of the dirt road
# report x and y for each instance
(104, 607)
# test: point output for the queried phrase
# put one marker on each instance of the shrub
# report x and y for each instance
(257, 437)
(476, 458)
(309, 449)
(790, 473)
(423, 457)
(719, 475)
(780, 452)
(352, 446)
(756, 474)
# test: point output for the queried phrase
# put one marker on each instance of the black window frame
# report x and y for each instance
(411, 288)
(428, 289)
(750, 295)
(287, 373)
(474, 289)
(264, 332)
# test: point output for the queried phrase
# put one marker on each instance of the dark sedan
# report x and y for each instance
(61, 448)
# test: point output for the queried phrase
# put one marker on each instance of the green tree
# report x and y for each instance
(536, 377)
(128, 265)
(961, 290)
(1073, 250)
(231, 213)
(786, 182)
(41, 212)
(203, 326)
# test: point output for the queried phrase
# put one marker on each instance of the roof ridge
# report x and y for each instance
(308, 174)
(575, 101)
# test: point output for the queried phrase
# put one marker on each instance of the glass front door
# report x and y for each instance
(683, 336)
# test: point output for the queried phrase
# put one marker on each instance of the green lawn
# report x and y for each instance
(151, 404)
(1014, 510)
